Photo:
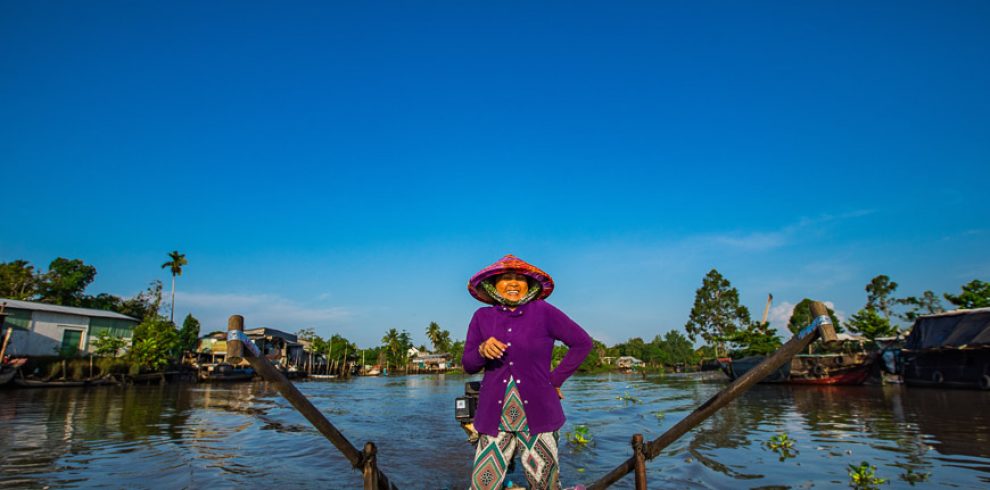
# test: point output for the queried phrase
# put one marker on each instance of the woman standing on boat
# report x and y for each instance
(519, 401)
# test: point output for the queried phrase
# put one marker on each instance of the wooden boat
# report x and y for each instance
(814, 369)
(9, 369)
(24, 382)
(222, 372)
(950, 349)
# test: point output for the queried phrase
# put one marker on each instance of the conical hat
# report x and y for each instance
(509, 263)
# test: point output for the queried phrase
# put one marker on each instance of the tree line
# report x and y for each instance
(723, 323)
(156, 341)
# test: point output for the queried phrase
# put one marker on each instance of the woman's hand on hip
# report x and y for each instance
(560, 394)
(491, 348)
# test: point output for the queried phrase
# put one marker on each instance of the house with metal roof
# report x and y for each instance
(41, 329)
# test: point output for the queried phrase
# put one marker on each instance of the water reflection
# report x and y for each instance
(242, 434)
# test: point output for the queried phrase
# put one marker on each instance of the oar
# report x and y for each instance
(239, 346)
(820, 326)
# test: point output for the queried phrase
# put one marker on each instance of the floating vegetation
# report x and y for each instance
(581, 437)
(864, 477)
(626, 397)
(782, 445)
(911, 477)
(659, 414)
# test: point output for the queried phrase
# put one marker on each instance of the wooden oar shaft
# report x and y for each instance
(787, 351)
(289, 391)
(6, 338)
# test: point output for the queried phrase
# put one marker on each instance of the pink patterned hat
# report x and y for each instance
(509, 263)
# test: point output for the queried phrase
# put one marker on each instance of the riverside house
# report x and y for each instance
(41, 329)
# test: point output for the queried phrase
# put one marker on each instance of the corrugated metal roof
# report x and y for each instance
(68, 310)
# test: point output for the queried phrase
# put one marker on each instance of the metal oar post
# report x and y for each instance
(821, 326)
(238, 346)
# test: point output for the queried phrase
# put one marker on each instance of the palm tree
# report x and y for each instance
(390, 342)
(433, 333)
(178, 260)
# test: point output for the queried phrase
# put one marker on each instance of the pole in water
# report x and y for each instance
(235, 345)
(637, 445)
(370, 466)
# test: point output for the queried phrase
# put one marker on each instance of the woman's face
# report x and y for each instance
(512, 286)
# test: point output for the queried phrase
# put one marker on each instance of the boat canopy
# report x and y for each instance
(953, 329)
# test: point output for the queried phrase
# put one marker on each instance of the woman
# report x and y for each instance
(519, 401)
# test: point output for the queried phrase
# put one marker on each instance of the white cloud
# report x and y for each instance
(755, 241)
(781, 314)
(258, 310)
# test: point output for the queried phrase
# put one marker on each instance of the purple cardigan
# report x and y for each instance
(530, 332)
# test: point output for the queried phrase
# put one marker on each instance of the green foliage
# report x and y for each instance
(143, 305)
(911, 477)
(668, 349)
(593, 362)
(868, 323)
(975, 294)
(457, 351)
(559, 351)
(175, 264)
(189, 334)
(627, 398)
(927, 304)
(438, 337)
(65, 282)
(581, 437)
(879, 294)
(18, 280)
(155, 344)
(716, 313)
(678, 348)
(756, 339)
(783, 446)
(864, 477)
(801, 317)
(108, 345)
(395, 346)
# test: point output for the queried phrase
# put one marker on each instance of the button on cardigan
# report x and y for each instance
(529, 332)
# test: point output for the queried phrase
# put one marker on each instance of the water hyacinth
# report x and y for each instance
(581, 437)
(782, 445)
(864, 477)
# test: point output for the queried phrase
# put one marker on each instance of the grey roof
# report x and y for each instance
(68, 310)
(957, 312)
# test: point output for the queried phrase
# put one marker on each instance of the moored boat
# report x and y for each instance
(9, 369)
(950, 349)
(223, 371)
(851, 366)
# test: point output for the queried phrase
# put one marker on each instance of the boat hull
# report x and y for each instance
(810, 369)
(947, 368)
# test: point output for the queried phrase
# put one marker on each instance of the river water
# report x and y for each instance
(235, 435)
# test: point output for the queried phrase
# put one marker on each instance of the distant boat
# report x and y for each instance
(224, 372)
(9, 369)
(843, 368)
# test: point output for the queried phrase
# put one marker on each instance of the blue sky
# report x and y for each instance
(348, 166)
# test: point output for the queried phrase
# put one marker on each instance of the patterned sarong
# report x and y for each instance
(538, 452)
